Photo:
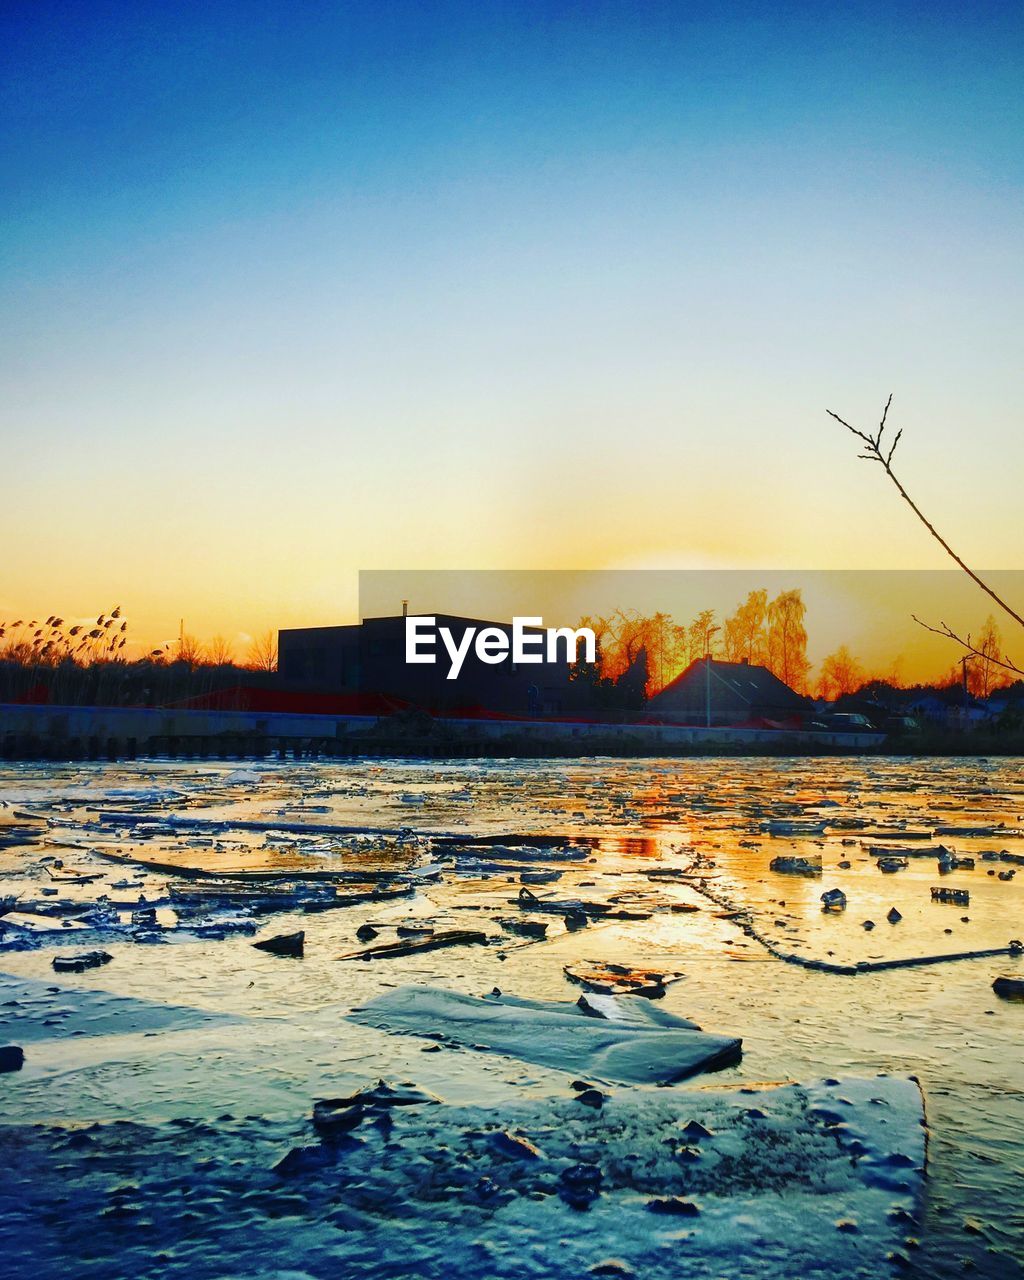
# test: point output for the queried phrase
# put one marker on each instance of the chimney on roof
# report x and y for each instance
(405, 608)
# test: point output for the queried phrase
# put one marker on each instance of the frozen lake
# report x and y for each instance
(671, 860)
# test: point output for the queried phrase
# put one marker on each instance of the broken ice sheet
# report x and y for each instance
(630, 820)
(528, 1189)
(645, 1048)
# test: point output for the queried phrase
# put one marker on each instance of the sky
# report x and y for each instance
(293, 291)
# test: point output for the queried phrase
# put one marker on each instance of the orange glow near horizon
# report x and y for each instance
(868, 612)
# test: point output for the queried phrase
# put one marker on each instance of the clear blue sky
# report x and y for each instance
(293, 290)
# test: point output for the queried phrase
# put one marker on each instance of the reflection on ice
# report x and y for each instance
(708, 869)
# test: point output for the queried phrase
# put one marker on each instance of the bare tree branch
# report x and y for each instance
(943, 629)
(875, 452)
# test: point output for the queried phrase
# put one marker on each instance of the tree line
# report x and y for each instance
(637, 651)
(637, 656)
(654, 648)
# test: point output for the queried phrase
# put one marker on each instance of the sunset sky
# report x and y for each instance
(293, 291)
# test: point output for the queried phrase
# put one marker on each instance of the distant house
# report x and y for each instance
(732, 692)
(928, 705)
(952, 708)
(971, 714)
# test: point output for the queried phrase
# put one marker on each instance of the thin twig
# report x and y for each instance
(875, 453)
(943, 629)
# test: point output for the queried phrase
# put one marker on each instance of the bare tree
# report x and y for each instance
(787, 639)
(699, 634)
(840, 673)
(982, 677)
(877, 449)
(219, 652)
(188, 649)
(262, 655)
(746, 636)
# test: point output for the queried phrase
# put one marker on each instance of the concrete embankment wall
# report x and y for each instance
(73, 733)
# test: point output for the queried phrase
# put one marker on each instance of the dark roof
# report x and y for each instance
(753, 684)
(443, 620)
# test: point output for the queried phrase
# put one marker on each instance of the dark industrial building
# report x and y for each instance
(369, 659)
(732, 692)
